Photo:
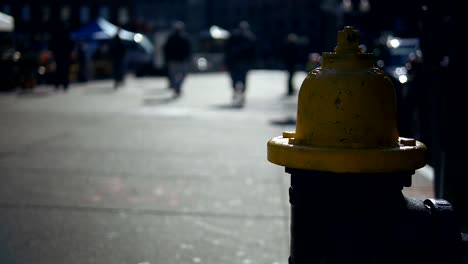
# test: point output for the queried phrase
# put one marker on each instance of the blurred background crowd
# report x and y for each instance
(148, 23)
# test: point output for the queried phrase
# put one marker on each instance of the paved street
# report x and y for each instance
(132, 176)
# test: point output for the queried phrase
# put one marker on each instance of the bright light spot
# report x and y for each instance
(364, 6)
(138, 37)
(218, 33)
(196, 260)
(400, 71)
(419, 53)
(445, 61)
(202, 64)
(380, 63)
(16, 56)
(363, 48)
(347, 6)
(41, 70)
(394, 43)
(402, 78)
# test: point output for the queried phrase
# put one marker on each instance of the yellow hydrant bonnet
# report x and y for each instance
(346, 118)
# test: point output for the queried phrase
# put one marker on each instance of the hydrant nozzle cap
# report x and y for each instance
(348, 41)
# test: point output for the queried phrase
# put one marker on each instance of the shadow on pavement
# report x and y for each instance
(287, 121)
(35, 93)
(228, 106)
(104, 90)
(158, 101)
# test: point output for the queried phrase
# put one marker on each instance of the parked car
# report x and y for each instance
(399, 58)
(393, 55)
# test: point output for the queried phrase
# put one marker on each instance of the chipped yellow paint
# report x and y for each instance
(346, 118)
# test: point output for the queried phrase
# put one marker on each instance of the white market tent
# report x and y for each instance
(7, 23)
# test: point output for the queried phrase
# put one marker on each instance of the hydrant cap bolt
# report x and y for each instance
(348, 41)
(346, 118)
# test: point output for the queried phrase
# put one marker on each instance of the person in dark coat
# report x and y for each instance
(291, 59)
(62, 46)
(177, 53)
(239, 59)
(118, 51)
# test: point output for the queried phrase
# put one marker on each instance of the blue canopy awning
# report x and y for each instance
(101, 29)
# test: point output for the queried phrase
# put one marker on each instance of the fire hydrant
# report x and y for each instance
(348, 167)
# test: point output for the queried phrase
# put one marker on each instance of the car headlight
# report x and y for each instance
(400, 71)
(403, 78)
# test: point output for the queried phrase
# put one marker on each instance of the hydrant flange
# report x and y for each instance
(346, 160)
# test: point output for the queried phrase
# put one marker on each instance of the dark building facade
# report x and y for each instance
(36, 20)
(41, 15)
(315, 21)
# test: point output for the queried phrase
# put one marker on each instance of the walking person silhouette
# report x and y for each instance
(291, 59)
(177, 53)
(62, 47)
(118, 52)
(239, 57)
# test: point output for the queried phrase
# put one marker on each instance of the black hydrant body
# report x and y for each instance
(348, 167)
(365, 218)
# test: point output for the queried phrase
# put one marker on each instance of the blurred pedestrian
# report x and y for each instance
(239, 57)
(28, 64)
(118, 51)
(177, 53)
(314, 61)
(62, 47)
(291, 60)
(82, 60)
